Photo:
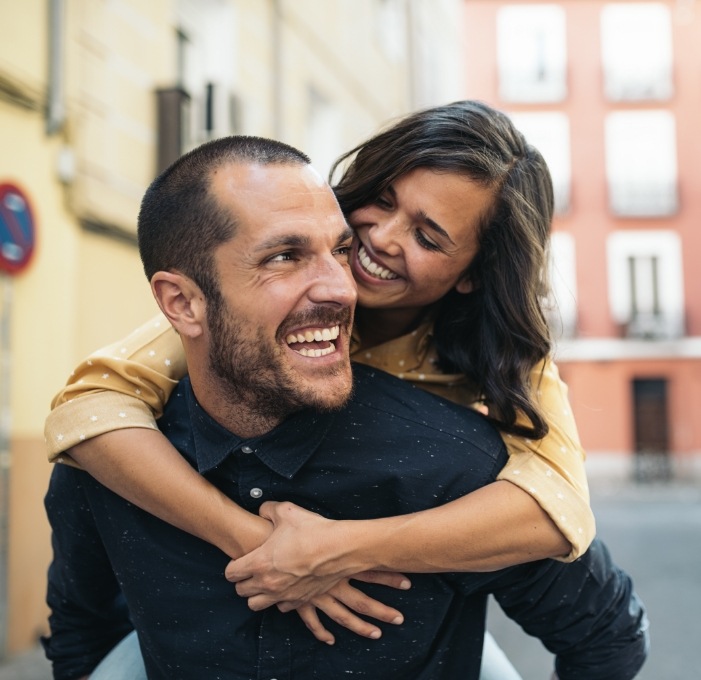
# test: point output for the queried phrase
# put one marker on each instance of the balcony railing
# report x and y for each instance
(654, 326)
(637, 199)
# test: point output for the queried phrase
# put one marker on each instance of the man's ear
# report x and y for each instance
(181, 300)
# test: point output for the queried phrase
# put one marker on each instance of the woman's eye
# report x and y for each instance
(425, 242)
(383, 202)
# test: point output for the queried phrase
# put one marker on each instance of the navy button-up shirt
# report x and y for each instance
(393, 449)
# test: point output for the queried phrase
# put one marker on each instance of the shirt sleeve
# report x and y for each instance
(88, 613)
(585, 612)
(123, 385)
(552, 469)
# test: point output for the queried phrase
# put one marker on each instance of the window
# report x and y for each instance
(392, 28)
(636, 45)
(206, 67)
(323, 139)
(641, 163)
(561, 307)
(646, 290)
(550, 134)
(531, 53)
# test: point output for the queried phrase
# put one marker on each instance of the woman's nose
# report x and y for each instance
(385, 235)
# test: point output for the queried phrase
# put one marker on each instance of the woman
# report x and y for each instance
(452, 211)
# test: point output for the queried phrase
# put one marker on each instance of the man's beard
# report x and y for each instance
(251, 372)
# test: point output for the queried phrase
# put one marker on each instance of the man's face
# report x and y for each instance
(279, 335)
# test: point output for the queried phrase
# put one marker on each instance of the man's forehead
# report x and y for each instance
(277, 205)
(279, 182)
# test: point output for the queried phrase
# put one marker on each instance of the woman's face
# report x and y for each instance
(414, 243)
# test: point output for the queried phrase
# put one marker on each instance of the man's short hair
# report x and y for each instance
(181, 223)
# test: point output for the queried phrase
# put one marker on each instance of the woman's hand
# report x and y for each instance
(302, 563)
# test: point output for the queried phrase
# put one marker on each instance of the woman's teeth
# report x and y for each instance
(373, 268)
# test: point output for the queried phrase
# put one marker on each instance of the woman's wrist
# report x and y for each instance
(356, 546)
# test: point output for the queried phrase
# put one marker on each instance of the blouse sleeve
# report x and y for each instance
(123, 385)
(552, 469)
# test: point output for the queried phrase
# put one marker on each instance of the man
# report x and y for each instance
(246, 250)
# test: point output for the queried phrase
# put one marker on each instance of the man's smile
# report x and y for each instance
(319, 341)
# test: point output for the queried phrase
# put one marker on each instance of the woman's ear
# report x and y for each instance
(181, 300)
(464, 285)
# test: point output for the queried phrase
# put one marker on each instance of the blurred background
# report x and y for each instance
(98, 96)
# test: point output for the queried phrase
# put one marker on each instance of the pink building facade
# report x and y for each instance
(611, 95)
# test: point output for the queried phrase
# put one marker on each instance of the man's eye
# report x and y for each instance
(344, 251)
(281, 257)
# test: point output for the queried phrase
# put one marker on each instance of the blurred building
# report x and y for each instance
(96, 96)
(610, 92)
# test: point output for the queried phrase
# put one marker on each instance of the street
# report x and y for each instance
(654, 533)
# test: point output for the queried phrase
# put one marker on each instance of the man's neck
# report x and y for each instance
(234, 414)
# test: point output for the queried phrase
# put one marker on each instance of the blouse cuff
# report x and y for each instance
(92, 415)
(570, 512)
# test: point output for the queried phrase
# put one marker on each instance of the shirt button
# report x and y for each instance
(256, 492)
(246, 449)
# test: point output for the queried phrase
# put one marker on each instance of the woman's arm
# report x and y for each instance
(493, 527)
(538, 509)
(105, 417)
(552, 470)
(143, 467)
(106, 414)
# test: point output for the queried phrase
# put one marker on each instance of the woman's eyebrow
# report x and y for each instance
(434, 226)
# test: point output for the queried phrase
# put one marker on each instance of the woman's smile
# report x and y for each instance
(417, 240)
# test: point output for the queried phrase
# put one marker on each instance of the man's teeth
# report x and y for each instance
(317, 335)
(316, 352)
(373, 268)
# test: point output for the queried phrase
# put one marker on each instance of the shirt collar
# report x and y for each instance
(284, 449)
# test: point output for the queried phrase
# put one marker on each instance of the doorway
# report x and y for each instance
(651, 429)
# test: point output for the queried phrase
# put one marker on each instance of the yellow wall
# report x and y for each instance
(83, 290)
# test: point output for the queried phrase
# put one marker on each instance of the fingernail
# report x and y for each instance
(405, 584)
(375, 634)
(330, 642)
(398, 620)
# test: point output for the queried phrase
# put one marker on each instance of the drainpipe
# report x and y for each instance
(276, 31)
(56, 111)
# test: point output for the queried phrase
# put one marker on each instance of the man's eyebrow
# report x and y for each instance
(284, 241)
(346, 233)
(299, 241)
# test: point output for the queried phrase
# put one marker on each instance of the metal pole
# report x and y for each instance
(5, 458)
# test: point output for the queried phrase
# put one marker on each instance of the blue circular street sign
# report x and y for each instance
(17, 233)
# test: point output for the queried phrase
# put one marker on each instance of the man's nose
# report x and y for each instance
(333, 283)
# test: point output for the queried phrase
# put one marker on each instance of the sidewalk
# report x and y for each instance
(27, 666)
